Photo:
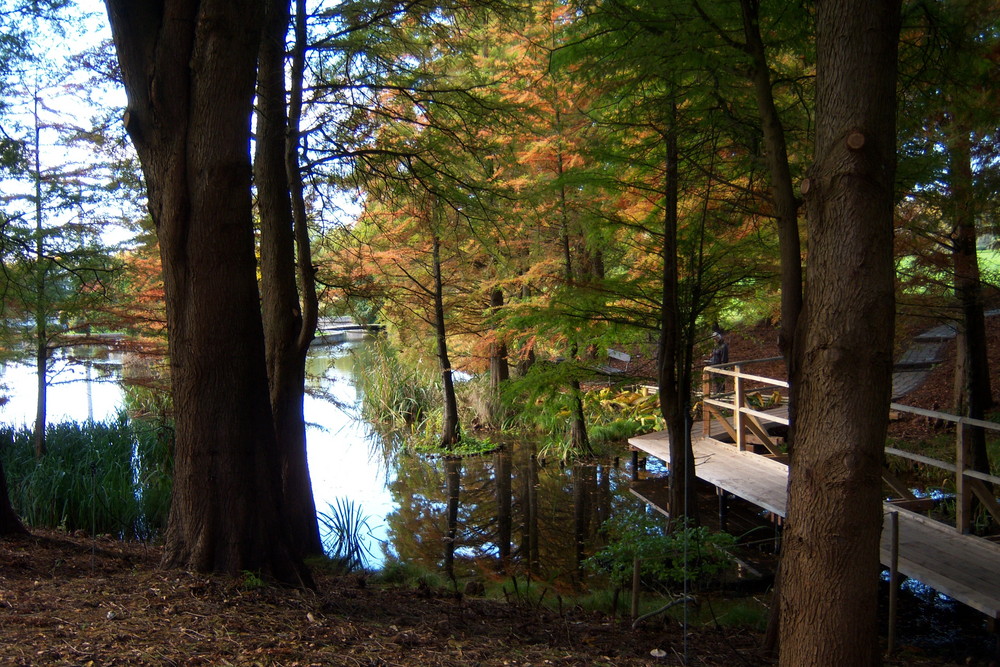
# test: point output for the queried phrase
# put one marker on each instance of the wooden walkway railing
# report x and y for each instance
(748, 426)
(747, 418)
(946, 558)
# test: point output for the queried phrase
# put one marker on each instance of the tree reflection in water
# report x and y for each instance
(505, 512)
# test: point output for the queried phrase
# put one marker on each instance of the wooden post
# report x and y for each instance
(739, 402)
(706, 414)
(893, 580)
(963, 494)
(635, 589)
(635, 465)
(723, 508)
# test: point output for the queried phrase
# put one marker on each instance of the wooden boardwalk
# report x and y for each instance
(963, 567)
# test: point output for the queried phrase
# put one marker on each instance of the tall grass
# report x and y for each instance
(394, 394)
(103, 477)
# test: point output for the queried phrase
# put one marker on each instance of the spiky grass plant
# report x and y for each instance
(345, 528)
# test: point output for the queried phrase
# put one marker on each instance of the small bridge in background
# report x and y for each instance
(738, 448)
(334, 330)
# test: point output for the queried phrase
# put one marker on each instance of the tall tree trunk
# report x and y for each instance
(286, 332)
(306, 272)
(782, 191)
(578, 440)
(830, 559)
(499, 365)
(189, 70)
(41, 302)
(674, 373)
(973, 394)
(450, 427)
(10, 524)
(41, 385)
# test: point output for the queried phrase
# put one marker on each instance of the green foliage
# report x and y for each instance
(467, 446)
(398, 573)
(616, 415)
(666, 557)
(252, 581)
(112, 477)
(405, 396)
(478, 404)
(540, 399)
(613, 415)
(740, 613)
(940, 446)
(345, 527)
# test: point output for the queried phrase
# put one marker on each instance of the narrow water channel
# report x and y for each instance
(505, 511)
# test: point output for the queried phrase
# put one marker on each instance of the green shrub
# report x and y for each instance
(666, 557)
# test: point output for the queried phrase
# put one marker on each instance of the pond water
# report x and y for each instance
(499, 511)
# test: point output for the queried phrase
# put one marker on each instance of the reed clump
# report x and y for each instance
(394, 394)
(109, 477)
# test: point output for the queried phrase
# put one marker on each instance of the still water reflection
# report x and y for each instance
(499, 512)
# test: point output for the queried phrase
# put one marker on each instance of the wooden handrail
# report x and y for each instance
(967, 482)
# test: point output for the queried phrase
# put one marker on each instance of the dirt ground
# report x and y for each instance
(80, 600)
(75, 600)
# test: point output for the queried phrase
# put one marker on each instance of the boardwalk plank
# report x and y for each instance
(963, 567)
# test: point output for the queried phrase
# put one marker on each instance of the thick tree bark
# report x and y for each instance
(674, 375)
(287, 332)
(189, 70)
(830, 559)
(10, 523)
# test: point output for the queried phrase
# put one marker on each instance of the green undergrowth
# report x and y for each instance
(406, 575)
(668, 557)
(394, 394)
(716, 609)
(466, 446)
(109, 477)
(615, 415)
